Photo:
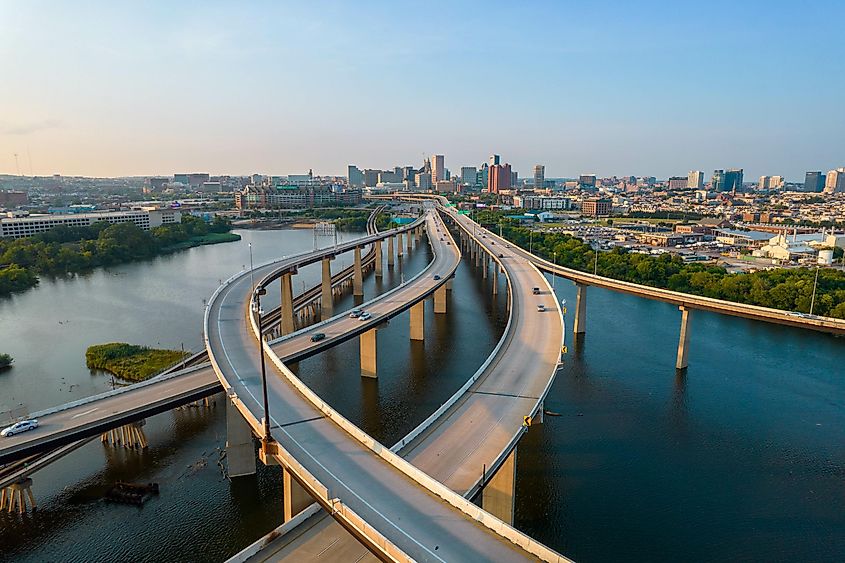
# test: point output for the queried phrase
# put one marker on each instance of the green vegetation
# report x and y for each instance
(128, 361)
(348, 219)
(780, 288)
(5, 361)
(65, 250)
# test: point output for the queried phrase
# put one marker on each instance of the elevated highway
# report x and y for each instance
(63, 425)
(470, 443)
(394, 509)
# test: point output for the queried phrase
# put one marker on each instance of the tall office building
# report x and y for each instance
(423, 181)
(835, 182)
(499, 178)
(438, 169)
(355, 176)
(814, 181)
(587, 180)
(767, 183)
(468, 175)
(494, 159)
(695, 179)
(727, 180)
(539, 176)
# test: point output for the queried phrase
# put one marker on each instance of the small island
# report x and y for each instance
(129, 361)
(5, 361)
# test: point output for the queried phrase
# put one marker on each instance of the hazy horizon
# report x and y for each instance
(654, 89)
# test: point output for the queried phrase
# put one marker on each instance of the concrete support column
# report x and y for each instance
(410, 241)
(297, 498)
(240, 452)
(418, 321)
(477, 255)
(484, 264)
(399, 248)
(326, 299)
(357, 275)
(449, 283)
(390, 259)
(683, 343)
(498, 495)
(379, 260)
(495, 278)
(369, 353)
(580, 308)
(14, 497)
(440, 299)
(287, 317)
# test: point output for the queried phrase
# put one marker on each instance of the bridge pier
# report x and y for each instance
(286, 321)
(440, 299)
(683, 342)
(15, 496)
(129, 436)
(357, 275)
(449, 283)
(297, 498)
(418, 321)
(580, 309)
(410, 241)
(497, 497)
(326, 297)
(399, 247)
(379, 260)
(369, 353)
(495, 278)
(485, 263)
(240, 452)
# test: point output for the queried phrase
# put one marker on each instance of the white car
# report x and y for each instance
(364, 317)
(19, 427)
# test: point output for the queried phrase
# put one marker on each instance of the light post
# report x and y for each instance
(596, 266)
(554, 273)
(530, 242)
(815, 284)
(251, 276)
(256, 308)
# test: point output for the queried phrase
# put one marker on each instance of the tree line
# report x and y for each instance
(778, 288)
(66, 250)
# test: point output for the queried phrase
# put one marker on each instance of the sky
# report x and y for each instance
(122, 88)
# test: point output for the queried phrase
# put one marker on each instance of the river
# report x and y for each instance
(740, 458)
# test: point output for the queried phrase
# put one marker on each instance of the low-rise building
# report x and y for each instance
(146, 218)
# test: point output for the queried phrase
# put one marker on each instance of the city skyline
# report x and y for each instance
(615, 89)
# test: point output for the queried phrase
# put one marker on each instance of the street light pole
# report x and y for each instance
(815, 284)
(256, 308)
(596, 267)
(554, 273)
(251, 277)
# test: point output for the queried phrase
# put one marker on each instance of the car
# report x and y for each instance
(535, 290)
(541, 308)
(317, 336)
(18, 427)
(355, 313)
(501, 255)
(365, 316)
(436, 276)
(492, 243)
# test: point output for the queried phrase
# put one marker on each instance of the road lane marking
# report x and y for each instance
(84, 413)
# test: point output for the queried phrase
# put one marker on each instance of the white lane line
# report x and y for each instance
(84, 413)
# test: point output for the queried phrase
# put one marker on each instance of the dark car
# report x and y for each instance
(436, 277)
(317, 336)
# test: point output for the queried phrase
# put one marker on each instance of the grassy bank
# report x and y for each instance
(129, 361)
(210, 238)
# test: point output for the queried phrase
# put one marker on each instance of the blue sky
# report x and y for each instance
(642, 88)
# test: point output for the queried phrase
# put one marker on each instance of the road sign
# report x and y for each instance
(526, 421)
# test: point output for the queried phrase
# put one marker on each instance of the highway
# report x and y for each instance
(357, 480)
(60, 426)
(481, 422)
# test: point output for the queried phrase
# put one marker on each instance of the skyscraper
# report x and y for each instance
(695, 179)
(499, 176)
(539, 176)
(814, 181)
(835, 181)
(468, 175)
(355, 176)
(494, 159)
(726, 181)
(438, 169)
